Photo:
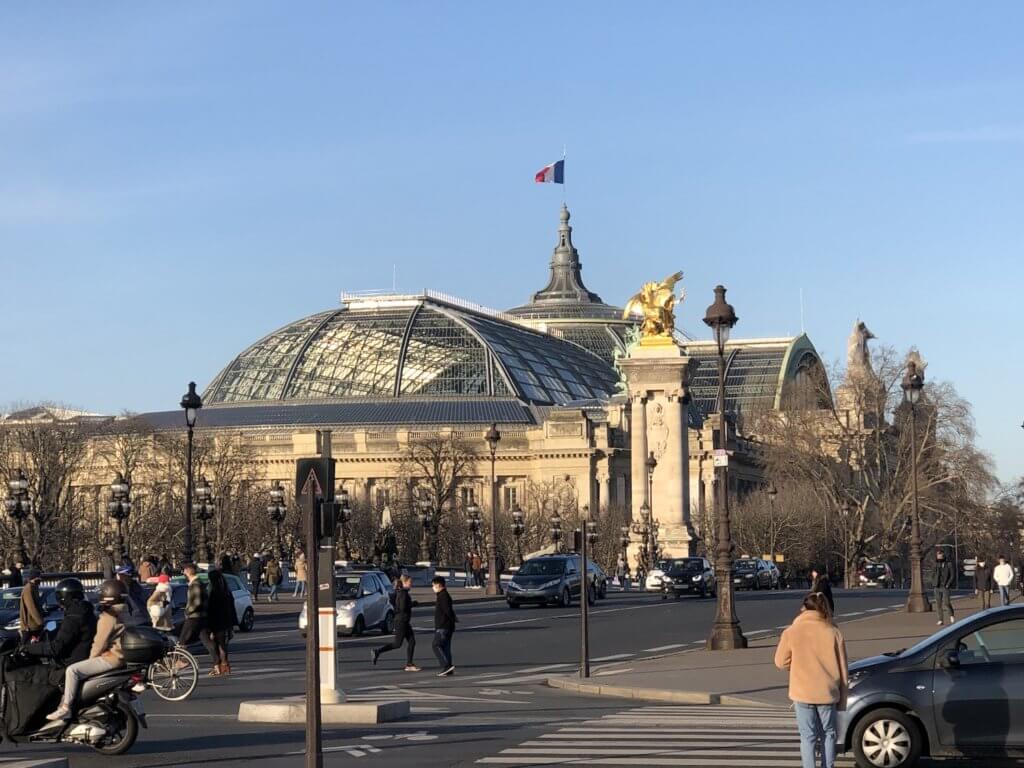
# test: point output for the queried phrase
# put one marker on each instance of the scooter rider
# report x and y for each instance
(73, 640)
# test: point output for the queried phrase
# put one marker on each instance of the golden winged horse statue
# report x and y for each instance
(655, 304)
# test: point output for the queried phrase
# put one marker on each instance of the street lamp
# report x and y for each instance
(475, 521)
(587, 539)
(772, 492)
(644, 528)
(726, 633)
(191, 402)
(556, 530)
(344, 515)
(203, 506)
(119, 507)
(912, 384)
(277, 510)
(426, 518)
(19, 507)
(492, 437)
(518, 529)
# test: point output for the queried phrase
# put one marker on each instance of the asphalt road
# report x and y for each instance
(495, 701)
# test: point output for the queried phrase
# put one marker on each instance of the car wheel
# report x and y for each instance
(387, 627)
(591, 596)
(247, 622)
(886, 738)
(359, 627)
(565, 599)
(604, 591)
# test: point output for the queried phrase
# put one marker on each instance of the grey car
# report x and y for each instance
(549, 579)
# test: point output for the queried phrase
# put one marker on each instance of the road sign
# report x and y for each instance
(315, 477)
(721, 457)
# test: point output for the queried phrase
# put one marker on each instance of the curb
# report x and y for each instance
(652, 694)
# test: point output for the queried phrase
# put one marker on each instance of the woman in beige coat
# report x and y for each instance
(300, 575)
(812, 649)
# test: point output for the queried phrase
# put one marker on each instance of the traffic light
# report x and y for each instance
(329, 511)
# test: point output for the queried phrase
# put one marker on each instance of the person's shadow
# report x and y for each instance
(976, 711)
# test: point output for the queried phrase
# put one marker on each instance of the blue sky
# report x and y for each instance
(178, 179)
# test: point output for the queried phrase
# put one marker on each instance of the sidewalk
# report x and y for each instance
(748, 677)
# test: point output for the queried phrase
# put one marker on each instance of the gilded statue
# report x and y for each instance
(655, 304)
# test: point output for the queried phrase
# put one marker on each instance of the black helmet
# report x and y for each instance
(111, 592)
(68, 590)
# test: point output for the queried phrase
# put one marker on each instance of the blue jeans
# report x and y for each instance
(1004, 595)
(443, 648)
(816, 722)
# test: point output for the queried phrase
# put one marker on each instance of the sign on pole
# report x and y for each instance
(721, 457)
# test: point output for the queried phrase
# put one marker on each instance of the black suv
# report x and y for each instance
(548, 579)
(749, 573)
(688, 576)
(959, 692)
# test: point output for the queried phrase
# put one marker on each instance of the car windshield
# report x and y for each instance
(542, 568)
(874, 570)
(686, 564)
(347, 588)
(746, 565)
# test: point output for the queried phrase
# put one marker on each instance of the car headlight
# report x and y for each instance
(698, 577)
(16, 624)
(749, 576)
(348, 605)
(549, 584)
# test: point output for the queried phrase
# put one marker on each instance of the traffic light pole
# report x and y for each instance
(584, 603)
(314, 742)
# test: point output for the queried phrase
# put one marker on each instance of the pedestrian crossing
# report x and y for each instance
(670, 735)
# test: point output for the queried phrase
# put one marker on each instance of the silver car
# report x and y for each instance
(362, 601)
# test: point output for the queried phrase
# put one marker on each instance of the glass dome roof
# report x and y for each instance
(411, 346)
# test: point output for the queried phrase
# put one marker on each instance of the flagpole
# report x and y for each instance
(565, 192)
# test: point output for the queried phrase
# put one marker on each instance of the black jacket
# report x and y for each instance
(73, 640)
(403, 606)
(944, 576)
(983, 578)
(221, 615)
(444, 613)
(824, 586)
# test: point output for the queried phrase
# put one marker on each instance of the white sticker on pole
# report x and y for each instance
(721, 457)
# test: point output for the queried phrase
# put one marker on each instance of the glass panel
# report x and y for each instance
(996, 643)
(356, 355)
(443, 358)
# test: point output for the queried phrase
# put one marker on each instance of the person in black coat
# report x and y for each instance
(983, 583)
(403, 626)
(444, 627)
(944, 579)
(820, 583)
(73, 640)
(221, 619)
(256, 574)
(15, 579)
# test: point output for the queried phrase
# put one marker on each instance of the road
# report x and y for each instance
(496, 701)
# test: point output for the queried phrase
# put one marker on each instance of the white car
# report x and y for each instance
(653, 581)
(362, 601)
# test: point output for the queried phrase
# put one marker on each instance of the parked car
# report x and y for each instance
(362, 601)
(245, 611)
(655, 578)
(959, 692)
(10, 600)
(689, 576)
(548, 579)
(876, 575)
(751, 573)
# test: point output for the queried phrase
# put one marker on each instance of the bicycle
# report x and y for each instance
(174, 676)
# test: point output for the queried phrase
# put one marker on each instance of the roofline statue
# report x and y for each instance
(655, 305)
(858, 356)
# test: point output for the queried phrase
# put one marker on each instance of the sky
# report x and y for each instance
(177, 180)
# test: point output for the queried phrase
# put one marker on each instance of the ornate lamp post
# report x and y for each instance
(556, 530)
(203, 507)
(119, 507)
(518, 529)
(191, 402)
(475, 522)
(19, 507)
(624, 543)
(426, 518)
(492, 437)
(587, 539)
(772, 492)
(277, 511)
(726, 633)
(913, 383)
(344, 515)
(644, 528)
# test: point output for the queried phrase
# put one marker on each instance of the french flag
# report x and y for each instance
(551, 174)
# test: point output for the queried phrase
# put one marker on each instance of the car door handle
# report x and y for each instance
(921, 687)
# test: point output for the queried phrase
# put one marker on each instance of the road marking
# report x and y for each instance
(855, 613)
(878, 610)
(663, 648)
(615, 657)
(606, 672)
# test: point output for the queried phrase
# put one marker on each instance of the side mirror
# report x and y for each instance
(50, 626)
(951, 659)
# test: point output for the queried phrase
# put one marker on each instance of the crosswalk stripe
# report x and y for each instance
(663, 648)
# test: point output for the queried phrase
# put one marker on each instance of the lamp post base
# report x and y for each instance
(726, 637)
(918, 603)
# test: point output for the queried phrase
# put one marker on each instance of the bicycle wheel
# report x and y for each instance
(175, 676)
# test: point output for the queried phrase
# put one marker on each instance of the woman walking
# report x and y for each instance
(274, 577)
(813, 651)
(159, 604)
(300, 575)
(221, 620)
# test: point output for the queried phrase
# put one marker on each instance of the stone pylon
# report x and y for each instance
(657, 379)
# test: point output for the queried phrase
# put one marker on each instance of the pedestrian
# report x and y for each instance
(274, 576)
(221, 620)
(30, 607)
(444, 626)
(105, 653)
(164, 565)
(468, 566)
(403, 625)
(478, 570)
(256, 574)
(820, 582)
(194, 626)
(135, 612)
(107, 564)
(942, 582)
(147, 570)
(225, 563)
(1003, 575)
(813, 651)
(159, 604)
(15, 579)
(300, 575)
(983, 583)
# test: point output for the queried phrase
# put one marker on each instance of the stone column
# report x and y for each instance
(638, 451)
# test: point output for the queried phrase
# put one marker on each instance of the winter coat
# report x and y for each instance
(15, 579)
(220, 611)
(146, 571)
(30, 611)
(1003, 574)
(73, 640)
(444, 612)
(823, 585)
(159, 607)
(106, 643)
(274, 575)
(812, 649)
(944, 576)
(983, 578)
(403, 606)
(300, 568)
(196, 604)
